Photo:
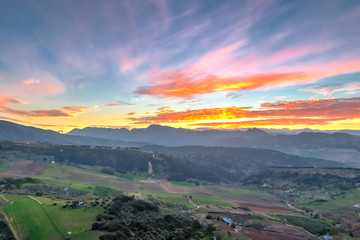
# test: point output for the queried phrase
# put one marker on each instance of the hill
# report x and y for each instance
(242, 161)
(15, 132)
(335, 146)
(252, 137)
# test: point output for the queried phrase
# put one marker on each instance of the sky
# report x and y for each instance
(192, 64)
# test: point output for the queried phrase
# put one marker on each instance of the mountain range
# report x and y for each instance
(339, 147)
(335, 146)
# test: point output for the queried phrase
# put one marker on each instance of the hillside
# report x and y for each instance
(253, 137)
(15, 132)
(122, 160)
(242, 161)
(335, 146)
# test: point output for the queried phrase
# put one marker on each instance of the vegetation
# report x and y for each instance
(106, 192)
(128, 218)
(123, 160)
(12, 183)
(5, 232)
(29, 219)
(314, 226)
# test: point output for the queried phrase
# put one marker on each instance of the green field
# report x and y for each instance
(346, 200)
(30, 219)
(76, 221)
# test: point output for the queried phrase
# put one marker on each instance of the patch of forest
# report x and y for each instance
(291, 179)
(5, 232)
(133, 219)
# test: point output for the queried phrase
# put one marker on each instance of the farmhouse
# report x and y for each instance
(227, 220)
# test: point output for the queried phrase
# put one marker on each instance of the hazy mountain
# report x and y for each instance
(242, 161)
(252, 137)
(335, 146)
(15, 132)
(339, 147)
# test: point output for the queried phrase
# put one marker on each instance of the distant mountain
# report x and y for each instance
(341, 147)
(15, 132)
(252, 137)
(335, 146)
(162, 135)
(242, 161)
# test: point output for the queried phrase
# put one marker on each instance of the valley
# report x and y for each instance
(267, 202)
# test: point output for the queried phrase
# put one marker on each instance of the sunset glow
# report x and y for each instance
(213, 64)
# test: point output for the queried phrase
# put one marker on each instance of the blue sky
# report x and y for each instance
(66, 64)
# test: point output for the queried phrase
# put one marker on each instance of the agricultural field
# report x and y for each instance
(343, 200)
(29, 219)
(39, 218)
(198, 198)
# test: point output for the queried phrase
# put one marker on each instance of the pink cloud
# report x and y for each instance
(50, 86)
(129, 64)
(222, 70)
(217, 59)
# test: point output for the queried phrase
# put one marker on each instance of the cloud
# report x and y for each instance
(5, 101)
(131, 114)
(55, 125)
(50, 86)
(233, 95)
(182, 85)
(321, 110)
(268, 122)
(128, 64)
(70, 111)
(117, 104)
(236, 68)
(13, 120)
(193, 115)
(112, 105)
(166, 109)
(347, 88)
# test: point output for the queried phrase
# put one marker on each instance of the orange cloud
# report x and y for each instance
(71, 111)
(269, 122)
(131, 114)
(182, 84)
(194, 115)
(5, 101)
(321, 110)
(228, 69)
(38, 86)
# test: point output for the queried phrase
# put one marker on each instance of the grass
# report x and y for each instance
(81, 178)
(87, 235)
(184, 199)
(182, 184)
(76, 220)
(233, 192)
(210, 200)
(32, 220)
(348, 199)
(29, 219)
(173, 198)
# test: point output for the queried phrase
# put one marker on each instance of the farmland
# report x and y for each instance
(57, 188)
(39, 218)
(30, 219)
